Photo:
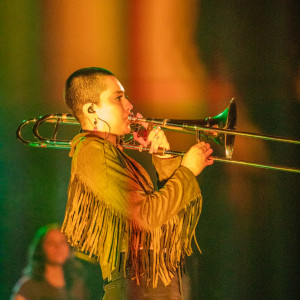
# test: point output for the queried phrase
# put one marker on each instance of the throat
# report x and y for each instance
(113, 138)
(54, 275)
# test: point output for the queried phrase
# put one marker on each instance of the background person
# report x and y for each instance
(51, 272)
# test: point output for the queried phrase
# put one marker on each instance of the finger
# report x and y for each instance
(209, 162)
(201, 144)
(207, 145)
(153, 133)
(208, 152)
(156, 145)
(161, 142)
(153, 138)
(156, 142)
(144, 124)
(153, 142)
(139, 139)
(204, 146)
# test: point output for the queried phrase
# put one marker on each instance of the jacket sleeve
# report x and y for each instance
(128, 191)
(165, 168)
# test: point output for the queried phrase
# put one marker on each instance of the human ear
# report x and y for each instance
(89, 109)
(90, 113)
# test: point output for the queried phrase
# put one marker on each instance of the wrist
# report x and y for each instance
(168, 156)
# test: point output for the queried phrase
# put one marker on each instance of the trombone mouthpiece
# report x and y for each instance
(133, 119)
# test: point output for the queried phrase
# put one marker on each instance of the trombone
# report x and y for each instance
(220, 129)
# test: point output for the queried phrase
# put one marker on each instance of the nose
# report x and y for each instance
(127, 105)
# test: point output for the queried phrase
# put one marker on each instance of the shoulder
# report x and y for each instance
(88, 147)
(24, 281)
(26, 286)
(93, 156)
(91, 142)
(79, 290)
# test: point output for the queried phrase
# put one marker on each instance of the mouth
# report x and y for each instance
(126, 122)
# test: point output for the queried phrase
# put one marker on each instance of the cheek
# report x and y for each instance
(65, 251)
(111, 114)
(116, 116)
(58, 254)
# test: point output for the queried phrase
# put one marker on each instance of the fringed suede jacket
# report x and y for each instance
(113, 207)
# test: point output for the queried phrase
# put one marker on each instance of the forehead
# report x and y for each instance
(113, 84)
(54, 235)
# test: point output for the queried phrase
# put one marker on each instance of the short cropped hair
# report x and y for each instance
(84, 86)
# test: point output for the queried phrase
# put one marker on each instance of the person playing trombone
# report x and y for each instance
(138, 234)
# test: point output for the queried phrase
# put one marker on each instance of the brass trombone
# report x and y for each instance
(222, 124)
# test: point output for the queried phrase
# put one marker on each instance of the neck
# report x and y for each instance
(105, 135)
(54, 274)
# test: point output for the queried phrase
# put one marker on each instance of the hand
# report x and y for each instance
(142, 135)
(158, 139)
(197, 158)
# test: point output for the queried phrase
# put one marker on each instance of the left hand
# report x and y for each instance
(142, 139)
(158, 139)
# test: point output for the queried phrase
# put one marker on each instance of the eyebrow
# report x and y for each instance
(119, 92)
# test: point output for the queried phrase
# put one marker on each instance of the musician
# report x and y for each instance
(51, 272)
(139, 235)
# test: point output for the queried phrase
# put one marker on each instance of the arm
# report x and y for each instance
(113, 207)
(126, 187)
(196, 159)
(165, 168)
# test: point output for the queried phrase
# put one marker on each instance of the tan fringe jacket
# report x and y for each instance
(112, 208)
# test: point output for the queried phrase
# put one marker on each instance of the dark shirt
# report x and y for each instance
(32, 289)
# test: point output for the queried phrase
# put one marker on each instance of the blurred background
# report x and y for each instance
(176, 59)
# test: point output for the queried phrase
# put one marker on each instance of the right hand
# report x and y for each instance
(196, 159)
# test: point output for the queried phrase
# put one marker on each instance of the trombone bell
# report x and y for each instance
(225, 121)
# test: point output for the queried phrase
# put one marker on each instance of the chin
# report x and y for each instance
(125, 131)
(56, 262)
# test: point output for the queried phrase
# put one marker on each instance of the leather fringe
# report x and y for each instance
(95, 228)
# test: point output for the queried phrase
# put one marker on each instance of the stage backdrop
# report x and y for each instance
(176, 59)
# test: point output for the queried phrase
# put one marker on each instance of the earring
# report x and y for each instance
(91, 109)
(95, 125)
